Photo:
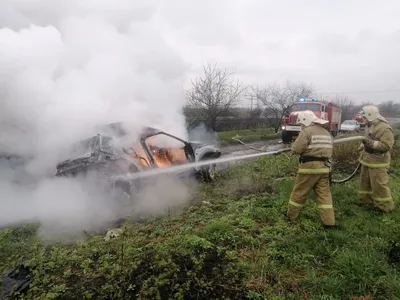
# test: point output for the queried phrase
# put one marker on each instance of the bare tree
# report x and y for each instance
(256, 112)
(388, 108)
(278, 100)
(214, 95)
(348, 106)
(190, 114)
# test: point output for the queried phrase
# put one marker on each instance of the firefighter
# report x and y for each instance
(375, 160)
(314, 145)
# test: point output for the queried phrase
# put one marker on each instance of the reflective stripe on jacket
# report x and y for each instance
(381, 134)
(313, 141)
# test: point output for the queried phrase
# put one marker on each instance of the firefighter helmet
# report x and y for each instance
(370, 112)
(307, 117)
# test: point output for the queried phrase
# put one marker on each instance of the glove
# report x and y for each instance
(369, 143)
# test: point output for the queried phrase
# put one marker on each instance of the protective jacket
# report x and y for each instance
(376, 151)
(314, 142)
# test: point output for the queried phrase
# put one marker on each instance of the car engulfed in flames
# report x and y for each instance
(112, 155)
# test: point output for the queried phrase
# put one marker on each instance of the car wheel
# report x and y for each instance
(211, 172)
(208, 173)
(135, 184)
(122, 188)
(286, 137)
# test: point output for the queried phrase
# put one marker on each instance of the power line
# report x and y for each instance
(338, 93)
(360, 92)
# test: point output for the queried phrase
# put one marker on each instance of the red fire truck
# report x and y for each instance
(325, 111)
(360, 120)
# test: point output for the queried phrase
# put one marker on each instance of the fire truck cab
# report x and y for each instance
(326, 111)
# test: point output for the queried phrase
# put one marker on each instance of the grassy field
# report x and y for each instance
(232, 243)
(258, 134)
(248, 135)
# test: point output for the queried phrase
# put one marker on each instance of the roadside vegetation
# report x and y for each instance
(260, 134)
(220, 100)
(396, 129)
(232, 243)
(247, 135)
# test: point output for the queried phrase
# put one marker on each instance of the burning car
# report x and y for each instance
(103, 154)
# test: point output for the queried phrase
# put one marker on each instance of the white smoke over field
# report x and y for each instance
(201, 134)
(66, 67)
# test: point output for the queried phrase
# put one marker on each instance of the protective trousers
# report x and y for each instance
(374, 188)
(302, 188)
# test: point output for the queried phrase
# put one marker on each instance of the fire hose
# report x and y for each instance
(344, 140)
(336, 141)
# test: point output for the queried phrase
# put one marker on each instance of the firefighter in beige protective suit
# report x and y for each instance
(375, 160)
(314, 145)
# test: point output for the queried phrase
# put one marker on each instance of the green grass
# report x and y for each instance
(396, 129)
(247, 135)
(237, 246)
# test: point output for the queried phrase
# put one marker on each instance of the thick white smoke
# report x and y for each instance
(66, 67)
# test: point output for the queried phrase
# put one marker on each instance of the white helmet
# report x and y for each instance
(307, 117)
(370, 112)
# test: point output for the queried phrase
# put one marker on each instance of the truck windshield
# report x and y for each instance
(306, 106)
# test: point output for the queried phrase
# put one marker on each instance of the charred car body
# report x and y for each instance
(111, 159)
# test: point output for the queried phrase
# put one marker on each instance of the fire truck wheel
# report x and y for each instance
(286, 137)
(122, 188)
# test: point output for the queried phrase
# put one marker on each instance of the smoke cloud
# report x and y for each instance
(67, 67)
(201, 134)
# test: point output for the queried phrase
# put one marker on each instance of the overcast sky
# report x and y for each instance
(339, 46)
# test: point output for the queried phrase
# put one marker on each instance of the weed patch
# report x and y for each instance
(233, 243)
(246, 135)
